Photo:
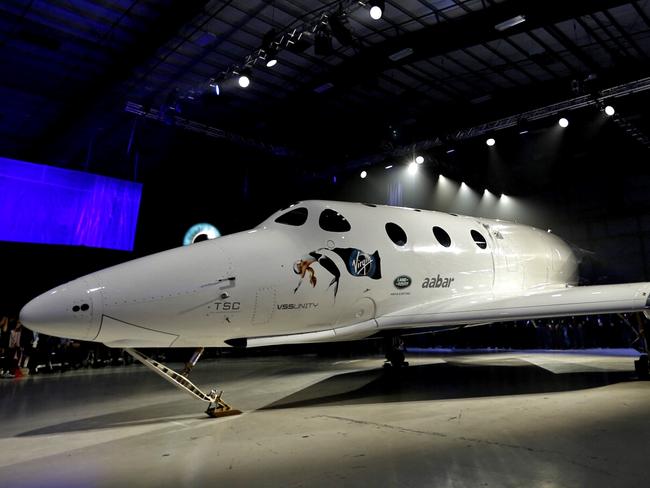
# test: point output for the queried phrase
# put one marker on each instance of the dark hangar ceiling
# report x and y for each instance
(69, 69)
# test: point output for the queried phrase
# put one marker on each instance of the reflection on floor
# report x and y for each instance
(504, 419)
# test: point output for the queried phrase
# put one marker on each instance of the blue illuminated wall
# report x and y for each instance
(49, 205)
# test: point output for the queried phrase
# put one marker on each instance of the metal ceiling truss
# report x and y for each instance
(204, 129)
(555, 109)
(311, 19)
(309, 22)
(565, 106)
(142, 49)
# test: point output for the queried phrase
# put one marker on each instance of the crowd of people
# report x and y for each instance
(24, 352)
(583, 332)
(16, 343)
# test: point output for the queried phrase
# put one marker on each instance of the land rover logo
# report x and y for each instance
(402, 282)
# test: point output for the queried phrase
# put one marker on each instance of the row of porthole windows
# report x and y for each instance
(332, 221)
(398, 236)
(84, 307)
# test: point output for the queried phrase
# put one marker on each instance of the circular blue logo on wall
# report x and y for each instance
(194, 234)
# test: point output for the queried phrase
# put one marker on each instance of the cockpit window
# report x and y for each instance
(296, 217)
(332, 221)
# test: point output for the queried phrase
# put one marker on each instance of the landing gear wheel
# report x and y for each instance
(218, 408)
(395, 359)
(395, 353)
(642, 367)
(218, 412)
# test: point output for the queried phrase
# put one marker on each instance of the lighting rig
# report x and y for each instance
(317, 28)
(488, 129)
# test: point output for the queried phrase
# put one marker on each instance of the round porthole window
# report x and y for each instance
(396, 234)
(479, 240)
(441, 236)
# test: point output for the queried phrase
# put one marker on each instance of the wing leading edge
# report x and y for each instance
(483, 309)
(558, 302)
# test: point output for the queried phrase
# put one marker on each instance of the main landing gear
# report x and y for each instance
(394, 348)
(217, 407)
(641, 365)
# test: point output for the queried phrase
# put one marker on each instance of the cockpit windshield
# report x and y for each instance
(295, 217)
(332, 221)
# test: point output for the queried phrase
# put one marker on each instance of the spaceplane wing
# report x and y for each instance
(322, 271)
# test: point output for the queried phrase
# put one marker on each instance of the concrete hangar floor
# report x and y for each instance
(504, 419)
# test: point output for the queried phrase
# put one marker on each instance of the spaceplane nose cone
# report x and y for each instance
(66, 311)
(34, 314)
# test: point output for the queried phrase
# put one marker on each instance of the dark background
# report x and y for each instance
(589, 186)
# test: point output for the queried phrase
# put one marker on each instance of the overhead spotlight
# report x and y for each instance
(339, 29)
(419, 159)
(214, 84)
(523, 127)
(270, 48)
(363, 174)
(412, 168)
(389, 166)
(507, 24)
(271, 55)
(563, 122)
(491, 142)
(244, 79)
(451, 150)
(323, 41)
(609, 110)
(299, 42)
(377, 8)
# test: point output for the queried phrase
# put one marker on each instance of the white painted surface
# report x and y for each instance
(246, 286)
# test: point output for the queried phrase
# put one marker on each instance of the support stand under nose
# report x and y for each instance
(217, 406)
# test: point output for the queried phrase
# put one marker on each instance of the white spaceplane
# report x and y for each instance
(323, 271)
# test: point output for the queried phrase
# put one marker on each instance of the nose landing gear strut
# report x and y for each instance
(217, 406)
